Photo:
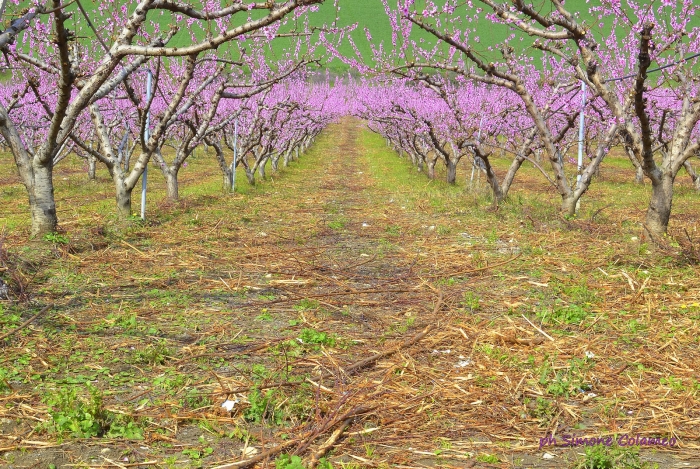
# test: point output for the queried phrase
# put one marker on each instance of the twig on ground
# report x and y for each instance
(537, 328)
(325, 447)
(26, 323)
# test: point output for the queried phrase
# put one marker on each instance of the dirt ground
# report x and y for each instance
(355, 318)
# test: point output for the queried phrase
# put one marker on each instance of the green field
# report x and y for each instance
(368, 14)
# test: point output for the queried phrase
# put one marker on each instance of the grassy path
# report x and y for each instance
(270, 298)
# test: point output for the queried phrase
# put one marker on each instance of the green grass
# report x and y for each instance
(369, 14)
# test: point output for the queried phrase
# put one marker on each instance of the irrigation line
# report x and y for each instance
(658, 69)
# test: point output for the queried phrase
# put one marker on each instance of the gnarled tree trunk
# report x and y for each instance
(41, 200)
(36, 174)
(171, 183)
(451, 170)
(693, 175)
(250, 174)
(123, 197)
(430, 163)
(659, 211)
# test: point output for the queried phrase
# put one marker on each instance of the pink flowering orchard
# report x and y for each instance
(657, 126)
(552, 90)
(43, 51)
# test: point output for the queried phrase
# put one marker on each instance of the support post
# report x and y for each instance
(235, 156)
(146, 137)
(581, 128)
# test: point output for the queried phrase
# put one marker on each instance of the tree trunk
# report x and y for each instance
(510, 175)
(92, 167)
(638, 169)
(451, 171)
(250, 174)
(287, 157)
(275, 160)
(41, 200)
(693, 175)
(431, 168)
(568, 204)
(123, 194)
(36, 176)
(172, 184)
(659, 211)
(492, 179)
(261, 169)
(538, 156)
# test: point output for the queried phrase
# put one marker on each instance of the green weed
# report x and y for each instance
(672, 382)
(393, 230)
(156, 354)
(337, 223)
(262, 406)
(564, 315)
(470, 301)
(286, 461)
(85, 417)
(56, 238)
(611, 457)
(306, 304)
(314, 337)
(488, 458)
(264, 315)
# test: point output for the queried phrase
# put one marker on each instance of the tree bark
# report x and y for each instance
(659, 211)
(638, 169)
(451, 170)
(693, 175)
(92, 167)
(261, 169)
(41, 200)
(431, 168)
(171, 184)
(250, 174)
(287, 157)
(123, 196)
(510, 175)
(36, 175)
(568, 204)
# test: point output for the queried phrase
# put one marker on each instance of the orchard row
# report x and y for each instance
(560, 91)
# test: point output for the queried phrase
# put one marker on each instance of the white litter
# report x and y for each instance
(463, 363)
(249, 451)
(229, 404)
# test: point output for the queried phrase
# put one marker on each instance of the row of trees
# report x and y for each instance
(442, 100)
(108, 86)
(133, 98)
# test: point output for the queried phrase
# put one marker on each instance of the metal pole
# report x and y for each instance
(235, 156)
(478, 138)
(146, 137)
(581, 126)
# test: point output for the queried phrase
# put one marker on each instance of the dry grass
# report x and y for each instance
(485, 331)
